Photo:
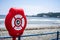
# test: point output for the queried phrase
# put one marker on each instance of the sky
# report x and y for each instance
(30, 7)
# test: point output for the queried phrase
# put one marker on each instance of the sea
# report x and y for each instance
(33, 22)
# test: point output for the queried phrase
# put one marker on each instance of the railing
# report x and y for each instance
(57, 38)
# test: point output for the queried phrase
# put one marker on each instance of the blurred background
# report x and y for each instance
(41, 14)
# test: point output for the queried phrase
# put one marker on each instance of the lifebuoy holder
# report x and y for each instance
(15, 22)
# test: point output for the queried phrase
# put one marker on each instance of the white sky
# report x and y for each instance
(31, 7)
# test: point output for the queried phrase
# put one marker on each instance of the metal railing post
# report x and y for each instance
(19, 38)
(57, 35)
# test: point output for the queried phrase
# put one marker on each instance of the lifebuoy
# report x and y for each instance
(15, 22)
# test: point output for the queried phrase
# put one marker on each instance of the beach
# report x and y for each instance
(35, 25)
(29, 31)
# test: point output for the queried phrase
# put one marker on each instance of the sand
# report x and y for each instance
(29, 31)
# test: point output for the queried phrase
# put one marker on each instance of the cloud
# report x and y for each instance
(33, 10)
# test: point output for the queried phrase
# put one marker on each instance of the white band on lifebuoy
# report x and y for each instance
(17, 22)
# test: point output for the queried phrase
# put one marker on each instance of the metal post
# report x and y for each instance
(14, 38)
(57, 35)
(19, 38)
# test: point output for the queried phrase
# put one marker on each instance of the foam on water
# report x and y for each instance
(38, 22)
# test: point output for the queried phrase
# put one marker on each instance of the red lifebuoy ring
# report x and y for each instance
(15, 22)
